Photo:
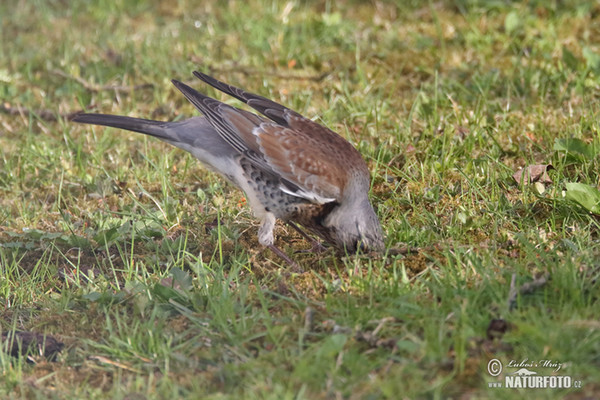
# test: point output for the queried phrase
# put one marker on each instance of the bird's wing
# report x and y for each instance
(335, 154)
(314, 162)
(304, 161)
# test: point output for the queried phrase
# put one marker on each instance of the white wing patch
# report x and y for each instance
(313, 197)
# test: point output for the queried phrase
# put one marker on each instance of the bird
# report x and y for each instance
(290, 167)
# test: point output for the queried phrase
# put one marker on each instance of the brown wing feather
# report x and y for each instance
(329, 142)
(306, 160)
(243, 125)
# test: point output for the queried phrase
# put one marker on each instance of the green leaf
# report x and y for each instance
(18, 245)
(93, 296)
(107, 236)
(576, 147)
(585, 195)
(182, 278)
(569, 59)
(75, 241)
(37, 234)
(592, 58)
(106, 297)
(512, 22)
(165, 294)
(331, 346)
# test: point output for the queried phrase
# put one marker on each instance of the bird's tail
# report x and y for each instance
(195, 135)
(146, 126)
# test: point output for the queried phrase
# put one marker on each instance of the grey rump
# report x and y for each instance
(289, 167)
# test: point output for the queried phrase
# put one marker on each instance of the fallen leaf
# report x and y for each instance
(535, 173)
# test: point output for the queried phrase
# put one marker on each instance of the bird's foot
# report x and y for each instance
(293, 264)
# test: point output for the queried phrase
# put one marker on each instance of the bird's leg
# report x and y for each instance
(285, 258)
(265, 237)
(317, 247)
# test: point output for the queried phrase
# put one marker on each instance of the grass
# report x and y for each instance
(147, 267)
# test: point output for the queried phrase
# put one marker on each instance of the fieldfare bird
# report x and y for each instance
(289, 166)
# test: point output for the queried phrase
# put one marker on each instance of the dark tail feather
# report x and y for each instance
(145, 126)
(269, 108)
(226, 88)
